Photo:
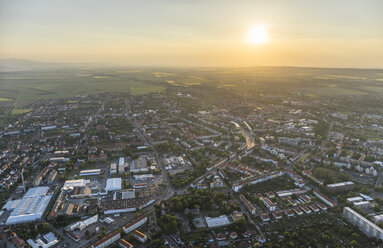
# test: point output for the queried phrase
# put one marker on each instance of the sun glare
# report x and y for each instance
(257, 35)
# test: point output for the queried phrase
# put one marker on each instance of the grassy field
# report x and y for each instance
(29, 87)
(332, 91)
(23, 88)
(2, 99)
(17, 111)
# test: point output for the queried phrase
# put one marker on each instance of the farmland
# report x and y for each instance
(18, 89)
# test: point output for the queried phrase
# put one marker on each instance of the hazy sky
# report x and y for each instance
(330, 33)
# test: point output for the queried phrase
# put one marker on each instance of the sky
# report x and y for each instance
(202, 33)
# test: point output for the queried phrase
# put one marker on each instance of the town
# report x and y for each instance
(171, 169)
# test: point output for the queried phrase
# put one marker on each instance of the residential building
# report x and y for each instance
(366, 226)
(140, 236)
(108, 240)
(269, 204)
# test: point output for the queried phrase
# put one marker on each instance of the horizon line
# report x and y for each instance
(109, 64)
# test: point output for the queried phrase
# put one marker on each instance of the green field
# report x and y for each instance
(29, 87)
(19, 89)
(16, 111)
(2, 99)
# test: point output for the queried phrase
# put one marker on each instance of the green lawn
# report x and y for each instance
(17, 111)
(2, 99)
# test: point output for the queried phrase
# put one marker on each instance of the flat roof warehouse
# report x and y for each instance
(30, 208)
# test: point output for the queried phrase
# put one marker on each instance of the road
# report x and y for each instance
(171, 189)
(380, 180)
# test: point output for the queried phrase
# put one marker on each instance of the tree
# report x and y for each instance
(354, 243)
(364, 191)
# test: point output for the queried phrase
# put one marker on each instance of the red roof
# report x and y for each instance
(277, 213)
(288, 212)
(18, 242)
(106, 238)
(73, 235)
(135, 221)
(265, 216)
(124, 243)
(139, 234)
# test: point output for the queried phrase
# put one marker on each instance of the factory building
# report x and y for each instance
(121, 165)
(46, 241)
(128, 194)
(113, 184)
(140, 164)
(113, 168)
(92, 172)
(30, 208)
(217, 221)
(70, 184)
(125, 205)
(81, 225)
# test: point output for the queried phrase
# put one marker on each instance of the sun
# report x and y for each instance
(257, 35)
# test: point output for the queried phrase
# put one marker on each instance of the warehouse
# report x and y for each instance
(139, 165)
(113, 184)
(29, 209)
(37, 191)
(217, 222)
(84, 224)
(70, 184)
(44, 241)
(113, 168)
(121, 161)
(128, 194)
(92, 172)
(125, 205)
(143, 177)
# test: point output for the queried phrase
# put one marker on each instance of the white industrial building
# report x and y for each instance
(46, 241)
(92, 172)
(70, 184)
(121, 161)
(30, 208)
(217, 221)
(121, 165)
(11, 205)
(354, 199)
(140, 164)
(128, 194)
(84, 224)
(362, 204)
(113, 168)
(37, 191)
(113, 184)
(143, 177)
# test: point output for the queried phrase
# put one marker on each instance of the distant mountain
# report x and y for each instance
(18, 65)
